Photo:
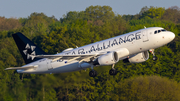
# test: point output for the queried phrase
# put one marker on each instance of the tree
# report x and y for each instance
(145, 88)
(172, 14)
(99, 13)
(9, 24)
(152, 12)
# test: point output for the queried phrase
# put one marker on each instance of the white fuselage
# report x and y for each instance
(135, 42)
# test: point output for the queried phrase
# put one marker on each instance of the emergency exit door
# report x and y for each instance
(49, 64)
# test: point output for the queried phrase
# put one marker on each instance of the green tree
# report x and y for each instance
(172, 14)
(99, 12)
(152, 12)
(153, 88)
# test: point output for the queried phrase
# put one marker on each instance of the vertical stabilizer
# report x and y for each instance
(27, 48)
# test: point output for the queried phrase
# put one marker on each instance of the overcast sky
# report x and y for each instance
(23, 8)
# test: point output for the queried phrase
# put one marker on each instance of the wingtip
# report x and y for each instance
(10, 68)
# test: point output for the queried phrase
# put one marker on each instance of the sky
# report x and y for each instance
(23, 8)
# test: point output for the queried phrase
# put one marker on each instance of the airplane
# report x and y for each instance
(133, 47)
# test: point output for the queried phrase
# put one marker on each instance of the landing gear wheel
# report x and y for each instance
(154, 58)
(153, 53)
(92, 73)
(113, 72)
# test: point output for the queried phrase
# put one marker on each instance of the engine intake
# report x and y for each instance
(107, 59)
(138, 58)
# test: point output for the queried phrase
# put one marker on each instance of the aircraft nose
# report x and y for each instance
(171, 36)
(168, 36)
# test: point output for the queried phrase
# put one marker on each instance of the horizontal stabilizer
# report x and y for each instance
(18, 68)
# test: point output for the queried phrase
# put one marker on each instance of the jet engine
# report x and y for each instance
(107, 59)
(138, 58)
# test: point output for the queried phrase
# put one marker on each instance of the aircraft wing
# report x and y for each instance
(79, 57)
(16, 68)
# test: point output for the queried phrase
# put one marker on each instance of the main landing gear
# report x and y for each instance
(113, 71)
(93, 73)
(153, 53)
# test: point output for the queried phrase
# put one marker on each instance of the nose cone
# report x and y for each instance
(171, 36)
(168, 37)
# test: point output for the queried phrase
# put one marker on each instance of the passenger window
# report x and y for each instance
(155, 32)
(159, 31)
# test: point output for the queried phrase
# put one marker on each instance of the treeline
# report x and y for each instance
(78, 28)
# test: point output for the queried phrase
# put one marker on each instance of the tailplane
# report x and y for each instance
(27, 48)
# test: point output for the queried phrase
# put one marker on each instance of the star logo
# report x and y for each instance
(29, 51)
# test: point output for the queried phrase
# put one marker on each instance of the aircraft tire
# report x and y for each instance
(154, 58)
(113, 72)
(92, 73)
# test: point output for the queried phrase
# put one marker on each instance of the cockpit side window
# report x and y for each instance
(159, 31)
(155, 32)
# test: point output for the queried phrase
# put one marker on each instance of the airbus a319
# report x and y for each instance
(132, 47)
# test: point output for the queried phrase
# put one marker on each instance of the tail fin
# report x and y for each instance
(27, 48)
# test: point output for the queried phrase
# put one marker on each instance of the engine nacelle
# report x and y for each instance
(138, 58)
(122, 53)
(107, 59)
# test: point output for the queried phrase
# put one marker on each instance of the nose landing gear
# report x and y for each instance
(153, 53)
(154, 58)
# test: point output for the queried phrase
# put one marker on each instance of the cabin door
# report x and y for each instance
(145, 36)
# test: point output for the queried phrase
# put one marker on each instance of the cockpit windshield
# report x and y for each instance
(158, 31)
(163, 30)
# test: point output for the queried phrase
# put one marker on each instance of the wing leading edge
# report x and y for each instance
(20, 68)
(80, 57)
